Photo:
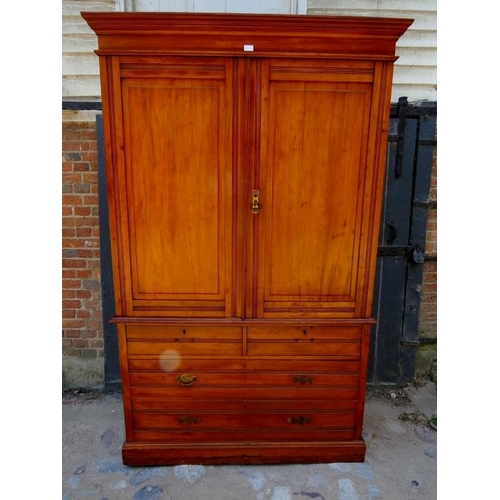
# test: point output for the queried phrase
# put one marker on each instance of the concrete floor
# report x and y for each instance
(401, 459)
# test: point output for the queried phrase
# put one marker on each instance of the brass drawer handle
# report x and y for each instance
(186, 379)
(188, 420)
(303, 379)
(300, 420)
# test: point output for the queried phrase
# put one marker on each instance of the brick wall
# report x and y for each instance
(82, 334)
(428, 299)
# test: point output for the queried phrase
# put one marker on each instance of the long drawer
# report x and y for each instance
(250, 436)
(288, 420)
(239, 405)
(170, 363)
(291, 425)
(236, 393)
(244, 379)
(266, 379)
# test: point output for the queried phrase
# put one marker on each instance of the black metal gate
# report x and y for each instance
(401, 253)
(400, 257)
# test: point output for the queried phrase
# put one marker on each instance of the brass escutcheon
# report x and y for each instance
(188, 420)
(186, 379)
(300, 420)
(303, 379)
(256, 206)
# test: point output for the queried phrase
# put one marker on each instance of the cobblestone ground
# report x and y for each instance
(400, 463)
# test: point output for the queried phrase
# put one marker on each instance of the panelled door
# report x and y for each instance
(176, 183)
(274, 229)
(309, 231)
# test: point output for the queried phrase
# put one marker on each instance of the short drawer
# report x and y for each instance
(339, 342)
(178, 333)
(303, 333)
(178, 341)
(137, 347)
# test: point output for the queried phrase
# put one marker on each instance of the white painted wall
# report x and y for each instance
(240, 6)
(80, 67)
(415, 74)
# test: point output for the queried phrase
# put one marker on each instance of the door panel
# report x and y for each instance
(178, 188)
(310, 226)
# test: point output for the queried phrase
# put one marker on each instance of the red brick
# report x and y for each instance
(73, 243)
(94, 323)
(89, 177)
(72, 145)
(84, 231)
(72, 135)
(426, 307)
(68, 232)
(94, 264)
(73, 323)
(71, 304)
(89, 135)
(90, 199)
(90, 156)
(71, 199)
(74, 263)
(92, 304)
(68, 222)
(71, 178)
(429, 288)
(81, 166)
(90, 221)
(89, 334)
(71, 283)
(80, 343)
(72, 334)
(84, 253)
(83, 313)
(96, 314)
(68, 313)
(84, 273)
(82, 211)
